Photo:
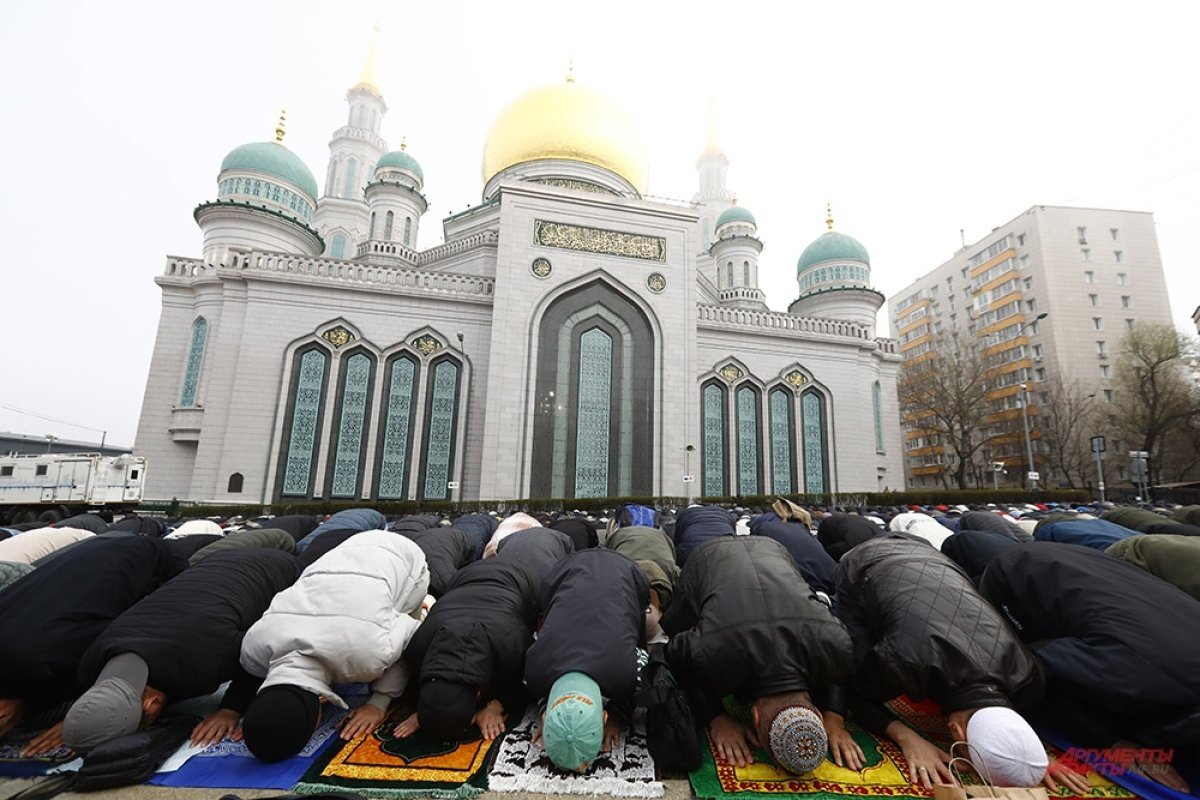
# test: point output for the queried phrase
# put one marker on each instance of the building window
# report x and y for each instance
(408, 231)
(6, 472)
(1098, 323)
(1094, 300)
(1126, 301)
(1020, 240)
(371, 230)
(1039, 374)
(1028, 283)
(1109, 395)
(39, 470)
(337, 246)
(191, 374)
(1102, 348)
(780, 408)
(713, 454)
(351, 426)
(1122, 279)
(1119, 256)
(877, 408)
(351, 187)
(397, 428)
(1089, 277)
(442, 417)
(729, 275)
(745, 273)
(236, 480)
(331, 179)
(1023, 262)
(389, 222)
(1115, 232)
(1031, 305)
(747, 440)
(812, 415)
(1086, 253)
(1128, 324)
(1082, 231)
(305, 424)
(1037, 351)
(595, 391)
(1105, 371)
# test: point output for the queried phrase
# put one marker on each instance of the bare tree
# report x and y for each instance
(946, 395)
(1153, 392)
(1064, 423)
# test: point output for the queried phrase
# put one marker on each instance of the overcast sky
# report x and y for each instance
(913, 119)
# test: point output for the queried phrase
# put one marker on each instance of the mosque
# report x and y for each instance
(570, 338)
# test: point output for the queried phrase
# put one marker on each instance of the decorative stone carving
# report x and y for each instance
(730, 372)
(598, 240)
(655, 282)
(541, 267)
(338, 336)
(569, 183)
(426, 344)
(796, 378)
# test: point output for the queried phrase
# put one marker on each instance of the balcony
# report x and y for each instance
(186, 424)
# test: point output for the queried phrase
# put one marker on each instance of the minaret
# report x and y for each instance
(342, 216)
(735, 250)
(713, 195)
(396, 205)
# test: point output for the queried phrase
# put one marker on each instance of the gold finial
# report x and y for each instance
(829, 215)
(735, 198)
(368, 77)
(403, 142)
(571, 71)
(281, 128)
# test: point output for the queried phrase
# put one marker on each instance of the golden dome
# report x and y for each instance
(566, 121)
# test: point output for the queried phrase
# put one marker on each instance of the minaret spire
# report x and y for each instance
(369, 77)
(571, 71)
(829, 215)
(281, 127)
(710, 129)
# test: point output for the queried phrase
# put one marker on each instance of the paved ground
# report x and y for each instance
(677, 789)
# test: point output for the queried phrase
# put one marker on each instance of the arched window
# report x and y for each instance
(374, 121)
(371, 230)
(303, 425)
(408, 231)
(388, 222)
(337, 246)
(191, 375)
(351, 188)
(877, 402)
(398, 419)
(780, 407)
(235, 483)
(359, 115)
(729, 275)
(745, 273)
(353, 409)
(441, 422)
(331, 179)
(812, 414)
(712, 455)
(591, 434)
(747, 440)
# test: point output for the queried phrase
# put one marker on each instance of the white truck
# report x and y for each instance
(48, 488)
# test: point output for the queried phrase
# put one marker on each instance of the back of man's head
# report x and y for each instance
(280, 721)
(1005, 749)
(792, 731)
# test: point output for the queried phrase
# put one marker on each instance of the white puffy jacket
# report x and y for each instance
(346, 620)
(922, 525)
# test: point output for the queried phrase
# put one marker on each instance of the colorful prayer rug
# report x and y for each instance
(626, 771)
(885, 773)
(381, 765)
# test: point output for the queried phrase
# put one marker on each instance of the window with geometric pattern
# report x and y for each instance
(712, 452)
(304, 421)
(399, 401)
(350, 426)
(191, 375)
(441, 419)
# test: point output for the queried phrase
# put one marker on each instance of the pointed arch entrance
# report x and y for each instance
(593, 429)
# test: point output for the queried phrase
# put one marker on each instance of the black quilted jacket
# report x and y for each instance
(920, 628)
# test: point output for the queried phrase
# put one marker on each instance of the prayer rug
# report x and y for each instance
(885, 773)
(626, 771)
(381, 765)
(14, 765)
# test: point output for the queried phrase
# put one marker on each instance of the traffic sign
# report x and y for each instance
(1033, 476)
(688, 478)
(1097, 444)
(452, 485)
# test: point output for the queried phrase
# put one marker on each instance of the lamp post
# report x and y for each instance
(689, 479)
(1032, 474)
(50, 440)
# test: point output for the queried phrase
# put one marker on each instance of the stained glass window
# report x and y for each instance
(877, 399)
(394, 464)
(779, 402)
(191, 375)
(591, 438)
(714, 440)
(337, 246)
(440, 430)
(356, 382)
(812, 409)
(306, 414)
(747, 433)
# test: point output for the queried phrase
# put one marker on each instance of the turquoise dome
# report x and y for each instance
(272, 159)
(736, 214)
(833, 246)
(400, 159)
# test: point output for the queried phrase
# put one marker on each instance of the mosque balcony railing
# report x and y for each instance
(486, 238)
(395, 250)
(398, 279)
(350, 132)
(735, 318)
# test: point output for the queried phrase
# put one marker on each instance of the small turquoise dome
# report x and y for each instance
(736, 214)
(833, 246)
(273, 159)
(400, 159)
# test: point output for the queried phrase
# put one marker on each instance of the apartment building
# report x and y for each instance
(1047, 295)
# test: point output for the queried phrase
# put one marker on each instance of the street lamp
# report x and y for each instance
(689, 479)
(1033, 481)
(50, 440)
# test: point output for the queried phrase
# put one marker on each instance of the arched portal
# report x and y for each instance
(593, 431)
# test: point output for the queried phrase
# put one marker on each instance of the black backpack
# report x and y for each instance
(671, 733)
